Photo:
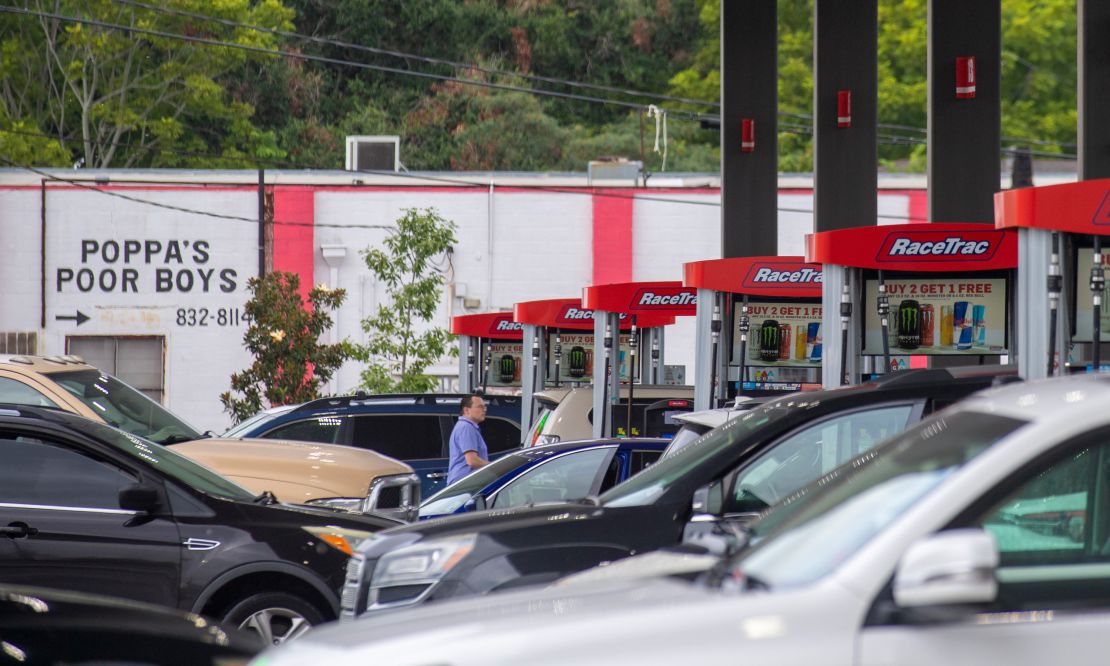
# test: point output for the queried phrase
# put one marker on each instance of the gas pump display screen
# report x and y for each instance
(506, 363)
(937, 316)
(577, 362)
(1084, 309)
(780, 334)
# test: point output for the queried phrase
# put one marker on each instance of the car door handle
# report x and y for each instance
(436, 475)
(18, 530)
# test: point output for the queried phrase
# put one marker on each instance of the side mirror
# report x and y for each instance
(142, 499)
(950, 568)
(477, 502)
(707, 500)
(407, 507)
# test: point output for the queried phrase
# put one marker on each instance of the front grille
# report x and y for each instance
(354, 567)
(400, 593)
(390, 498)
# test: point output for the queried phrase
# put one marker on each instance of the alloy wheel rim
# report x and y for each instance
(276, 625)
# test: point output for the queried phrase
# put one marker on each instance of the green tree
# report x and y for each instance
(401, 345)
(117, 98)
(290, 362)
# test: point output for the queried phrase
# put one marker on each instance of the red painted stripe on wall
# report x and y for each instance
(612, 226)
(294, 249)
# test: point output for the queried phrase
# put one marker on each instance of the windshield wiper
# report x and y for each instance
(175, 439)
(590, 500)
(265, 497)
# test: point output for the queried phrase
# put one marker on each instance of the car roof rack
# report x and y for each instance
(362, 397)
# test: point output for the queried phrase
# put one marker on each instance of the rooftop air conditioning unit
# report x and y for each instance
(373, 153)
(614, 169)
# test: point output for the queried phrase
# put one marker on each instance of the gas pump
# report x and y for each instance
(1060, 230)
(782, 297)
(637, 303)
(563, 326)
(928, 294)
(481, 336)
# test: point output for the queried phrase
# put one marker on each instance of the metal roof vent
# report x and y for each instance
(373, 153)
(609, 169)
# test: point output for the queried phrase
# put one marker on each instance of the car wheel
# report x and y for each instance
(275, 617)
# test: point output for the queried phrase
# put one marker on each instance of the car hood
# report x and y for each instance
(656, 564)
(293, 471)
(658, 621)
(283, 515)
(498, 520)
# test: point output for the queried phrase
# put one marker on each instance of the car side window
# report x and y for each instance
(562, 479)
(43, 473)
(400, 436)
(17, 393)
(500, 435)
(1053, 533)
(810, 452)
(322, 429)
(641, 460)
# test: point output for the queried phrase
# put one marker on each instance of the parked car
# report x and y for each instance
(566, 413)
(692, 425)
(564, 472)
(340, 477)
(346, 478)
(702, 495)
(901, 557)
(90, 508)
(44, 626)
(407, 427)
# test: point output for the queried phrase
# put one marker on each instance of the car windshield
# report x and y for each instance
(173, 465)
(256, 420)
(449, 499)
(802, 539)
(121, 406)
(647, 486)
(686, 435)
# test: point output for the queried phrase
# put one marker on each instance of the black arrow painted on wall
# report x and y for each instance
(80, 317)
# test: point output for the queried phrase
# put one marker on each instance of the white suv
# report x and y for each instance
(981, 535)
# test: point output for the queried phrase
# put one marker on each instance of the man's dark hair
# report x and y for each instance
(467, 401)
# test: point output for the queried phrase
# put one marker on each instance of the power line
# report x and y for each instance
(337, 61)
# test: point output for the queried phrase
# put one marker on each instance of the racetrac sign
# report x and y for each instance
(785, 276)
(916, 247)
(498, 325)
(651, 298)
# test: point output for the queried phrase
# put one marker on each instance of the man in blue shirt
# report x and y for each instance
(467, 447)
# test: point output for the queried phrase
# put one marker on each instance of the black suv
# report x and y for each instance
(413, 428)
(88, 508)
(717, 482)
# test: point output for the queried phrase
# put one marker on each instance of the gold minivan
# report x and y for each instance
(341, 477)
(566, 413)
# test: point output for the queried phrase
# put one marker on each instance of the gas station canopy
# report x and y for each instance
(757, 276)
(642, 298)
(1081, 208)
(936, 247)
(569, 313)
(496, 325)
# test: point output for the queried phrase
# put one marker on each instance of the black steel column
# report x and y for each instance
(1094, 89)
(964, 134)
(845, 160)
(749, 89)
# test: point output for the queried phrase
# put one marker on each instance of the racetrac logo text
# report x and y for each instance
(784, 275)
(576, 314)
(657, 299)
(507, 326)
(940, 246)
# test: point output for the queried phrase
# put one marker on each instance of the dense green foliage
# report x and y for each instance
(70, 91)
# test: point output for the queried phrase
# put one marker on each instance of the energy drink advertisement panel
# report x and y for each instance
(577, 362)
(506, 363)
(1084, 309)
(781, 334)
(939, 316)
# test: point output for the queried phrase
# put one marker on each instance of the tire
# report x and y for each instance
(273, 616)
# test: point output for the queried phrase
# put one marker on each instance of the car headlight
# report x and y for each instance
(340, 538)
(353, 504)
(422, 562)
